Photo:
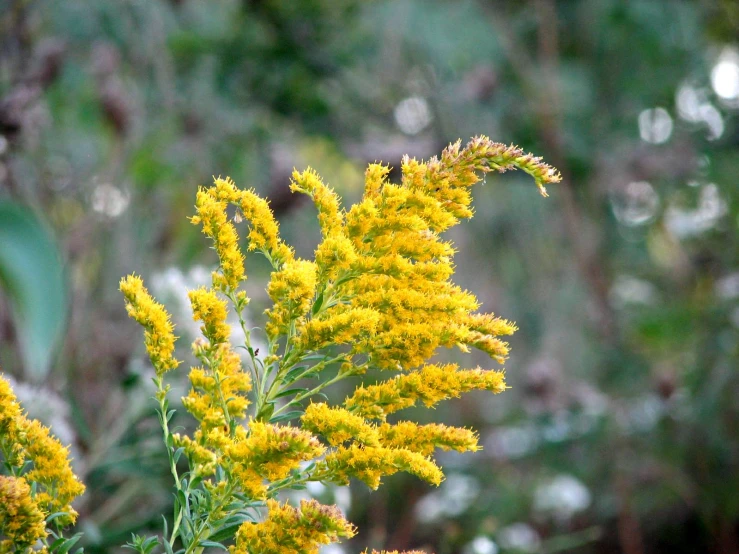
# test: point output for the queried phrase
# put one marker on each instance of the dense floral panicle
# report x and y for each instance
(212, 311)
(292, 289)
(272, 451)
(403, 267)
(211, 213)
(425, 438)
(264, 233)
(51, 469)
(340, 325)
(219, 392)
(27, 441)
(288, 530)
(330, 215)
(430, 385)
(22, 523)
(159, 336)
(370, 463)
(338, 425)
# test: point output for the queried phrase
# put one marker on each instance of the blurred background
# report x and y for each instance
(621, 430)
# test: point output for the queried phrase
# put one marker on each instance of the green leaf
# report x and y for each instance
(227, 532)
(317, 304)
(33, 278)
(69, 543)
(286, 415)
(288, 392)
(52, 517)
(176, 456)
(293, 374)
(212, 544)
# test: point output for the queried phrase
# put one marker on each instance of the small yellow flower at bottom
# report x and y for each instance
(21, 520)
(288, 530)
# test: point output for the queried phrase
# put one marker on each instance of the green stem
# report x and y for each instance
(339, 377)
(247, 337)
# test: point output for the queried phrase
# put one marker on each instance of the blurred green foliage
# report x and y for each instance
(619, 433)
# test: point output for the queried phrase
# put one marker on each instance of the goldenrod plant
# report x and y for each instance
(37, 484)
(377, 297)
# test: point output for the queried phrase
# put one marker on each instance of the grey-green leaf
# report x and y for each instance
(33, 278)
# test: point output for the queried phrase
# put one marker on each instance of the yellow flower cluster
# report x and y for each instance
(212, 311)
(338, 425)
(430, 385)
(211, 205)
(271, 452)
(378, 295)
(28, 447)
(425, 438)
(289, 530)
(211, 212)
(21, 520)
(218, 393)
(292, 289)
(159, 336)
(370, 463)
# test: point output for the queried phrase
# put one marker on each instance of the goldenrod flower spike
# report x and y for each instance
(330, 216)
(22, 523)
(211, 213)
(212, 311)
(288, 530)
(430, 385)
(159, 336)
(265, 232)
(42, 482)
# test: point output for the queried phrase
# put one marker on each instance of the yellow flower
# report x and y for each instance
(211, 213)
(431, 384)
(272, 451)
(326, 200)
(212, 311)
(340, 325)
(288, 530)
(21, 520)
(338, 425)
(265, 232)
(219, 392)
(48, 468)
(370, 463)
(159, 336)
(292, 289)
(425, 438)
